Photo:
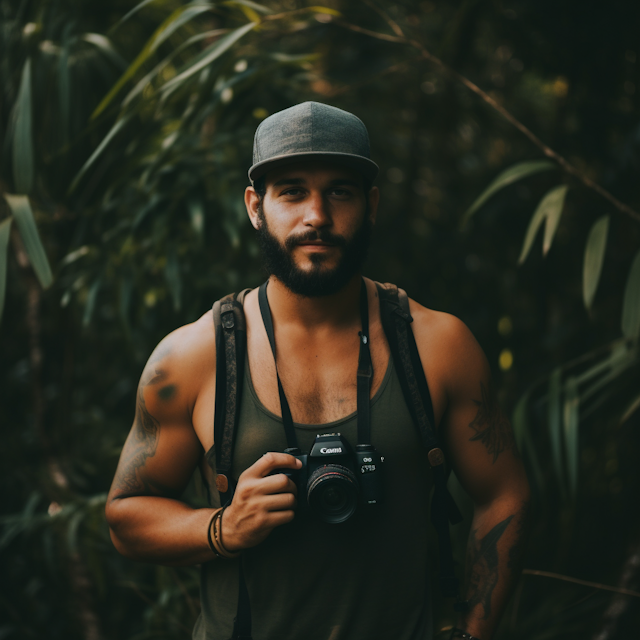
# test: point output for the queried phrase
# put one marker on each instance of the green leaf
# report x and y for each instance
(90, 305)
(548, 210)
(258, 8)
(619, 361)
(554, 418)
(5, 230)
(327, 10)
(176, 20)
(23, 159)
(571, 423)
(593, 259)
(630, 410)
(631, 302)
(101, 147)
(210, 54)
(133, 11)
(143, 82)
(105, 45)
(21, 209)
(507, 177)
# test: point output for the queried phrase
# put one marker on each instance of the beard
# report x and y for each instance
(318, 280)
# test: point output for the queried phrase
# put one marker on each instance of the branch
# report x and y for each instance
(585, 583)
(548, 151)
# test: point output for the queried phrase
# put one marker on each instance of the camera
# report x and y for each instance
(334, 479)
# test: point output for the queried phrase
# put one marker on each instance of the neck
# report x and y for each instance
(341, 308)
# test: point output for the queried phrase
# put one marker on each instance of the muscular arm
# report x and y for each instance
(482, 451)
(146, 518)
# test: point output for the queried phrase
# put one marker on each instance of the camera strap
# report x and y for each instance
(365, 370)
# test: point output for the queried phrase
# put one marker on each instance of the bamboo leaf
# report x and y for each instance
(5, 230)
(23, 159)
(143, 82)
(101, 147)
(554, 419)
(507, 177)
(105, 45)
(210, 54)
(631, 302)
(21, 209)
(176, 20)
(134, 11)
(549, 209)
(593, 259)
(326, 10)
(92, 296)
(555, 203)
(618, 364)
(571, 423)
(630, 410)
(258, 8)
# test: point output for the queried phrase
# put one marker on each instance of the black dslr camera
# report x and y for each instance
(334, 479)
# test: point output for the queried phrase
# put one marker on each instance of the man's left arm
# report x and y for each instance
(481, 449)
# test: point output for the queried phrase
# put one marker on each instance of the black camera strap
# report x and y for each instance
(365, 370)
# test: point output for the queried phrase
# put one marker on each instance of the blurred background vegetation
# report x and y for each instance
(125, 136)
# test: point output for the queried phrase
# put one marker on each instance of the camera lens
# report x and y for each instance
(332, 493)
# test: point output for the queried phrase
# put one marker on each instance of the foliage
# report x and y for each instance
(131, 140)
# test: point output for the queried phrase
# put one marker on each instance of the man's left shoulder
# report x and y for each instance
(446, 343)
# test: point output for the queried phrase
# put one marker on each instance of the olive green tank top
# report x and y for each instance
(364, 579)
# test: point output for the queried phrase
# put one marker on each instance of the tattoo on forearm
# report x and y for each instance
(491, 426)
(517, 550)
(482, 566)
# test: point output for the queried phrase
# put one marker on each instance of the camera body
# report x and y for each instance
(334, 479)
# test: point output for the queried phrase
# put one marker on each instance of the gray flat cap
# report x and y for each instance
(312, 130)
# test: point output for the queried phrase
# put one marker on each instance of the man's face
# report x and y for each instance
(314, 225)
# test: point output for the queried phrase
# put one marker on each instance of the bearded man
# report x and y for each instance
(313, 205)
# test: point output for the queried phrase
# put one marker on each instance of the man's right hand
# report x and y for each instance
(261, 502)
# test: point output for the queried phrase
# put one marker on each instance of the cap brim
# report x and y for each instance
(359, 163)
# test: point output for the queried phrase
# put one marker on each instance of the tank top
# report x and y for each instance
(364, 579)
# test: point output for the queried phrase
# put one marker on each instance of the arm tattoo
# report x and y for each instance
(491, 426)
(141, 444)
(482, 566)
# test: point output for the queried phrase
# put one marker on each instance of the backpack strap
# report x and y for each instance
(396, 320)
(231, 344)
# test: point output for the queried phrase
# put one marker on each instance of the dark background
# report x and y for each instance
(153, 230)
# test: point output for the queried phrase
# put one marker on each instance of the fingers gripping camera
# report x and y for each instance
(334, 479)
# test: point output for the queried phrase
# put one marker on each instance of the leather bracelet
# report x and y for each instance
(216, 523)
(211, 544)
(459, 633)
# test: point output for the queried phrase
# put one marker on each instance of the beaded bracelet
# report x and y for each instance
(459, 633)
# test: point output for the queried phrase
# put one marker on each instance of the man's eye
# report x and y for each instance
(340, 192)
(292, 192)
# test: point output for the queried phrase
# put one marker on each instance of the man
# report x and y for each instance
(313, 205)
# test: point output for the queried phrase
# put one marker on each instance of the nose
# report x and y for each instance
(316, 211)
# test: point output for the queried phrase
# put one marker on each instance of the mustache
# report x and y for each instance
(314, 235)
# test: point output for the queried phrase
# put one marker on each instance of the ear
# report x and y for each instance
(374, 199)
(251, 202)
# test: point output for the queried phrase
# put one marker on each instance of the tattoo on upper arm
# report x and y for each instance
(130, 479)
(491, 426)
(482, 566)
